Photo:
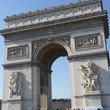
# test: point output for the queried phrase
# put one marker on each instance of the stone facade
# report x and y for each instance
(53, 13)
(78, 31)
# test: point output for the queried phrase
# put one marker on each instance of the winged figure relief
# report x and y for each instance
(90, 76)
(16, 84)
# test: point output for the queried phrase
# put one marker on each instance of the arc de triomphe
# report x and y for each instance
(34, 40)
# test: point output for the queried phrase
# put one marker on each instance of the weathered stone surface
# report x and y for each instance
(54, 13)
(34, 43)
(18, 52)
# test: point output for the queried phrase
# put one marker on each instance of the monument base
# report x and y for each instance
(93, 100)
(93, 108)
(15, 103)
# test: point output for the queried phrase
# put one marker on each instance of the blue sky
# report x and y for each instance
(60, 77)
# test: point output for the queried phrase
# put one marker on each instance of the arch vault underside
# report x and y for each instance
(49, 53)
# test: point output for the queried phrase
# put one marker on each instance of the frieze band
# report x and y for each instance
(87, 42)
(58, 29)
(18, 52)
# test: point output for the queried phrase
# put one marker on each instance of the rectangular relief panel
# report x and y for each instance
(18, 52)
(87, 42)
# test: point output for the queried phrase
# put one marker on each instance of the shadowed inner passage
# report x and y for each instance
(49, 53)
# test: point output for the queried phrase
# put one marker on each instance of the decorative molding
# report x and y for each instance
(93, 93)
(35, 44)
(20, 64)
(53, 13)
(52, 30)
(26, 64)
(87, 42)
(80, 18)
(57, 40)
(90, 55)
(66, 39)
(92, 20)
(54, 8)
(14, 53)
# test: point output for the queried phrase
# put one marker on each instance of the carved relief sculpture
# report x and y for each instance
(18, 52)
(86, 42)
(16, 84)
(90, 76)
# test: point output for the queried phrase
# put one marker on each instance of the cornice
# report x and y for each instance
(26, 64)
(20, 64)
(89, 55)
(76, 19)
(59, 30)
(52, 9)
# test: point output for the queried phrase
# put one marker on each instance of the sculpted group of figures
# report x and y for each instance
(90, 76)
(19, 51)
(85, 42)
(90, 79)
(16, 84)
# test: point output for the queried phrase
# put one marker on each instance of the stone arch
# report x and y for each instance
(51, 50)
(80, 36)
(45, 53)
(43, 79)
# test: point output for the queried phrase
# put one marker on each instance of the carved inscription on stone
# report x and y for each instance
(86, 42)
(18, 52)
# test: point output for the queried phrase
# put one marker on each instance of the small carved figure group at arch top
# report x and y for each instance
(90, 76)
(16, 84)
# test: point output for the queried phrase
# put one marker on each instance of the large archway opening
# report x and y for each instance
(60, 79)
(46, 57)
(61, 98)
(49, 53)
